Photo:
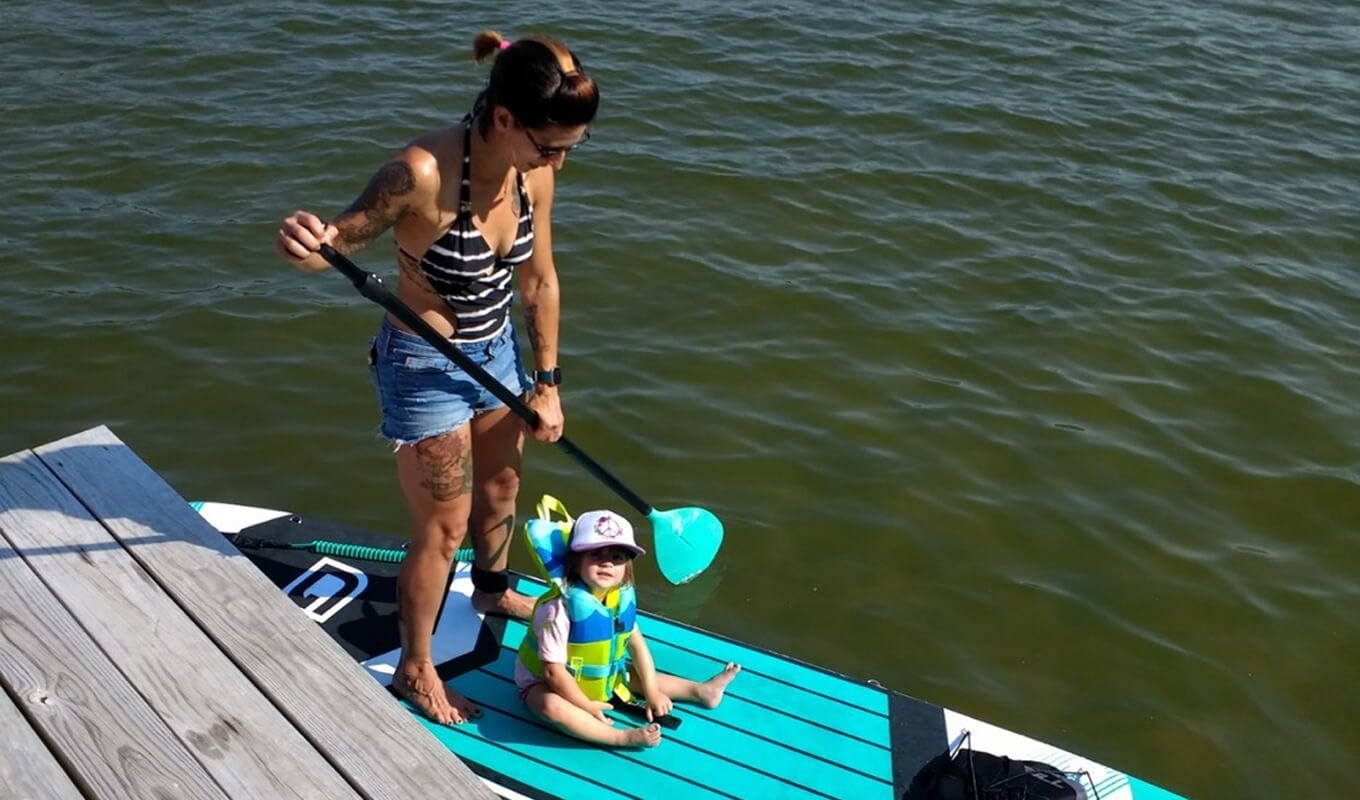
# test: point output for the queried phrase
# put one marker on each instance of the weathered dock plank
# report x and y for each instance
(346, 715)
(108, 736)
(28, 770)
(233, 731)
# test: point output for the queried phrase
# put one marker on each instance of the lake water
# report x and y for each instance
(1015, 343)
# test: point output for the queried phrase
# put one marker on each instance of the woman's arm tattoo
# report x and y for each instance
(377, 208)
(536, 339)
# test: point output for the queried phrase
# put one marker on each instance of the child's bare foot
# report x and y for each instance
(649, 736)
(508, 603)
(420, 686)
(711, 691)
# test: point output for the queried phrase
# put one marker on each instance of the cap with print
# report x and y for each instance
(595, 529)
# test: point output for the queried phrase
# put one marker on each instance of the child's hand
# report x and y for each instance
(658, 705)
(598, 708)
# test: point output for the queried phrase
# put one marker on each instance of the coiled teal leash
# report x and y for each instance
(358, 552)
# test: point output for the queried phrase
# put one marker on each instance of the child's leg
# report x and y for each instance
(580, 723)
(707, 694)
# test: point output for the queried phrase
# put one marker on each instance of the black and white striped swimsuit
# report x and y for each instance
(461, 267)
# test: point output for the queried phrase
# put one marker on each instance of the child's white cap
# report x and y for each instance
(595, 529)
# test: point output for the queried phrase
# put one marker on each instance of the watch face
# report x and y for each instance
(551, 377)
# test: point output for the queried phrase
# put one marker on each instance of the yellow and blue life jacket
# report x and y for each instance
(597, 645)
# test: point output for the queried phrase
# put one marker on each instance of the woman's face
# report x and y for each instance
(541, 147)
(531, 148)
(605, 568)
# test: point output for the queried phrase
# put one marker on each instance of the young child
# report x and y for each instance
(584, 645)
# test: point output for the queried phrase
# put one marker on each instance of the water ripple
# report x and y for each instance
(1029, 317)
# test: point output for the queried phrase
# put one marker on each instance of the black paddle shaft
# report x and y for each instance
(371, 286)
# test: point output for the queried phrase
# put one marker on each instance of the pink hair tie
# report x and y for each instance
(505, 44)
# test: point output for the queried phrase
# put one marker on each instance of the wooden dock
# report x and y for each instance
(142, 656)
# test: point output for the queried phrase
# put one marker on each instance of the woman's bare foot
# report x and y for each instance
(420, 686)
(508, 603)
(711, 691)
(649, 736)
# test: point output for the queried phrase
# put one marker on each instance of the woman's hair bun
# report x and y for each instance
(486, 43)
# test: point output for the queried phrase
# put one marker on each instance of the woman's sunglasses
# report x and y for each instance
(552, 152)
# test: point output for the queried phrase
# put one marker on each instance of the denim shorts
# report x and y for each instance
(421, 393)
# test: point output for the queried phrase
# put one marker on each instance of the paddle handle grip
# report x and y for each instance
(371, 286)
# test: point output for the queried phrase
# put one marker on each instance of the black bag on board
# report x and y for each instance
(975, 775)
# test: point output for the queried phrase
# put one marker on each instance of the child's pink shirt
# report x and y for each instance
(551, 626)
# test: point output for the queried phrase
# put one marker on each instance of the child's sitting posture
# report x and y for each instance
(584, 645)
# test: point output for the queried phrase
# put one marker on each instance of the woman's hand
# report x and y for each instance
(549, 408)
(301, 237)
(658, 705)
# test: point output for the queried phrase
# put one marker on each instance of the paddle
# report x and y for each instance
(685, 539)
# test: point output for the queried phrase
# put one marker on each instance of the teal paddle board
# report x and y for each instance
(786, 729)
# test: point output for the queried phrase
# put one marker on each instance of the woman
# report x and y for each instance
(468, 204)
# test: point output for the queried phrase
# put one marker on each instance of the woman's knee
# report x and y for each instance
(444, 532)
(502, 488)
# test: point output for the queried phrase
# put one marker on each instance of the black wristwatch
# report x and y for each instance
(548, 377)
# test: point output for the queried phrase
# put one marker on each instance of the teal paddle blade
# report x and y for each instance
(685, 540)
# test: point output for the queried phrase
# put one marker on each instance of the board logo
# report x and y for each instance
(330, 584)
